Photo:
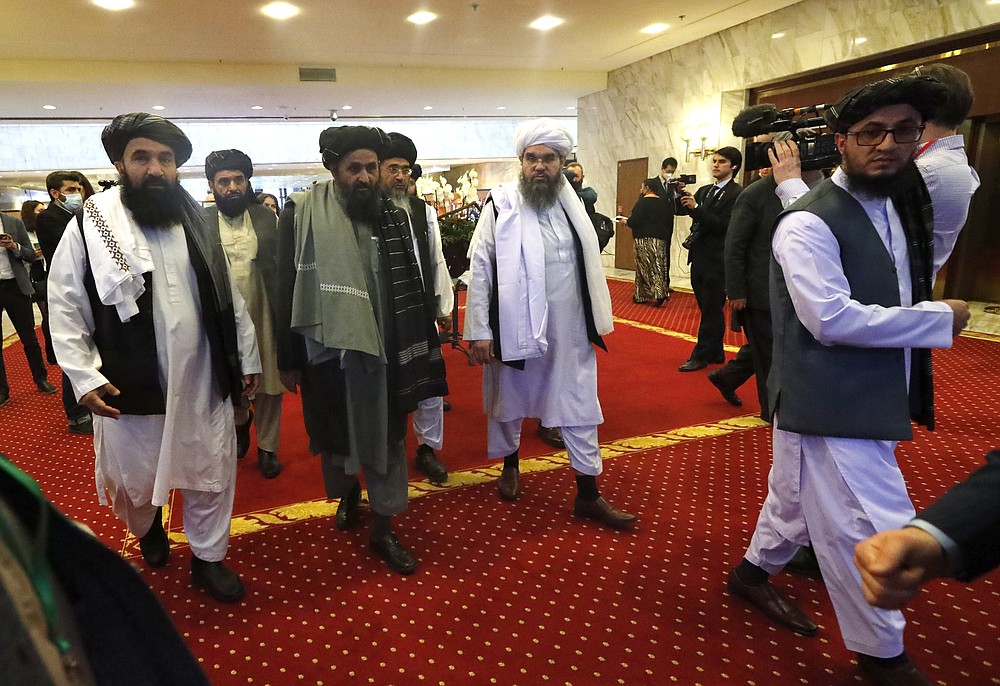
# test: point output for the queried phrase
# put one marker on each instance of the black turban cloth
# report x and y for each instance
(338, 141)
(125, 127)
(236, 160)
(402, 147)
(920, 92)
(416, 171)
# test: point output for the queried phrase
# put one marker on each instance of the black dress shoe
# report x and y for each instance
(46, 388)
(905, 673)
(602, 511)
(348, 514)
(4, 399)
(428, 463)
(773, 603)
(509, 484)
(692, 366)
(243, 437)
(154, 545)
(551, 436)
(446, 406)
(728, 393)
(220, 581)
(268, 462)
(82, 426)
(805, 563)
(395, 554)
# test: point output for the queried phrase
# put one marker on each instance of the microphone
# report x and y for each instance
(755, 120)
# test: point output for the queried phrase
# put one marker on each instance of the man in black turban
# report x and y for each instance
(125, 127)
(853, 263)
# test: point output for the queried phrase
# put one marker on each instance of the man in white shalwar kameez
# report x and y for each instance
(537, 303)
(854, 263)
(158, 345)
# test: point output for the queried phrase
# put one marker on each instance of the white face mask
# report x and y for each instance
(72, 201)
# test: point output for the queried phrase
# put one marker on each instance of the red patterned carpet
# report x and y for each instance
(523, 593)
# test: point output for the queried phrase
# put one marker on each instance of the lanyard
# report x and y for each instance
(924, 148)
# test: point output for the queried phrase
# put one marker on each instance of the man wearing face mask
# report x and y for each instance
(66, 192)
(249, 236)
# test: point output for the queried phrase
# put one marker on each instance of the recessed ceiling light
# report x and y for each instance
(545, 23)
(114, 4)
(48, 107)
(421, 17)
(428, 107)
(502, 107)
(159, 107)
(256, 107)
(280, 10)
(859, 40)
(655, 28)
(779, 34)
(347, 107)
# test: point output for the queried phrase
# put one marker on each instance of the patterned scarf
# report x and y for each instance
(913, 203)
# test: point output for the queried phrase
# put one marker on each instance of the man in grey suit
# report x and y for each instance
(15, 298)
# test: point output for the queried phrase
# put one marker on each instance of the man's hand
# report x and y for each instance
(482, 351)
(960, 308)
(7, 241)
(893, 565)
(688, 202)
(785, 162)
(444, 323)
(738, 304)
(251, 384)
(93, 401)
(291, 379)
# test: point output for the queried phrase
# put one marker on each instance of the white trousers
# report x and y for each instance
(503, 438)
(266, 418)
(428, 423)
(834, 493)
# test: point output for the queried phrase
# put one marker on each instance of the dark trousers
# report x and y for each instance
(18, 308)
(708, 279)
(754, 358)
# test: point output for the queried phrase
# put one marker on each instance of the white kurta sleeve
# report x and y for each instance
(482, 268)
(809, 257)
(71, 319)
(442, 279)
(246, 335)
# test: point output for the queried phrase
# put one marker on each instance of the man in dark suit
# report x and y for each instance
(957, 536)
(15, 298)
(711, 208)
(667, 192)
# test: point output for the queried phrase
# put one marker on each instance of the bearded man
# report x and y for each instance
(854, 260)
(355, 332)
(157, 342)
(537, 304)
(394, 172)
(249, 234)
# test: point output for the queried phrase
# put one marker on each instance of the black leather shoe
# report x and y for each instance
(602, 511)
(4, 399)
(428, 463)
(268, 463)
(773, 603)
(509, 484)
(220, 581)
(395, 554)
(348, 514)
(551, 436)
(692, 366)
(154, 545)
(46, 388)
(243, 437)
(728, 393)
(805, 563)
(82, 426)
(904, 674)
(447, 406)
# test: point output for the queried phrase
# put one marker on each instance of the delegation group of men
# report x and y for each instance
(179, 326)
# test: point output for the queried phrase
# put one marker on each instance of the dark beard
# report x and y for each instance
(541, 196)
(156, 204)
(232, 205)
(360, 204)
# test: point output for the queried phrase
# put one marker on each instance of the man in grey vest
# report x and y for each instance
(249, 235)
(854, 261)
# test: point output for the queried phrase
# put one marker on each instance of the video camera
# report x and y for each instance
(687, 179)
(816, 150)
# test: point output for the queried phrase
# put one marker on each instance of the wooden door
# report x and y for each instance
(631, 174)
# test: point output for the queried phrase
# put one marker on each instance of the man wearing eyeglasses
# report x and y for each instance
(854, 261)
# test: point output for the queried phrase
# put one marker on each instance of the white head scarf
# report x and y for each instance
(543, 131)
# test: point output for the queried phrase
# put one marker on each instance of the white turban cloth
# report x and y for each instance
(543, 131)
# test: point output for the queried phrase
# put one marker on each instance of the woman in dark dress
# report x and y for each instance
(650, 225)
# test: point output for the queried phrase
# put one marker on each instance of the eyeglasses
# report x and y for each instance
(900, 134)
(549, 159)
(396, 170)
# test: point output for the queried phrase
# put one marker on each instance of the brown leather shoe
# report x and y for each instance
(905, 674)
(510, 483)
(551, 436)
(773, 603)
(602, 511)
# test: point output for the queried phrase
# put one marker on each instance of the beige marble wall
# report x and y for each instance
(649, 105)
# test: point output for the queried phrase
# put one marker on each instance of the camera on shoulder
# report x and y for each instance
(817, 149)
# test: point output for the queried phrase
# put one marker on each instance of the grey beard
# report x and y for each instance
(402, 202)
(541, 197)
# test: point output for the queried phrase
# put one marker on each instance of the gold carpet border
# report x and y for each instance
(254, 522)
(668, 332)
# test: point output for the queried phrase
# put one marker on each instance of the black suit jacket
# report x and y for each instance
(49, 227)
(970, 514)
(15, 229)
(666, 194)
(711, 221)
(748, 243)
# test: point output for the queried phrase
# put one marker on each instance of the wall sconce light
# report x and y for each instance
(701, 153)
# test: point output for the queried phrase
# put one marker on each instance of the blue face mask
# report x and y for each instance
(72, 202)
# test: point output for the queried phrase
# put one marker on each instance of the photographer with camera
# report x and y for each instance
(711, 208)
(667, 186)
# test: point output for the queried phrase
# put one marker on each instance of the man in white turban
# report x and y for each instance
(537, 301)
